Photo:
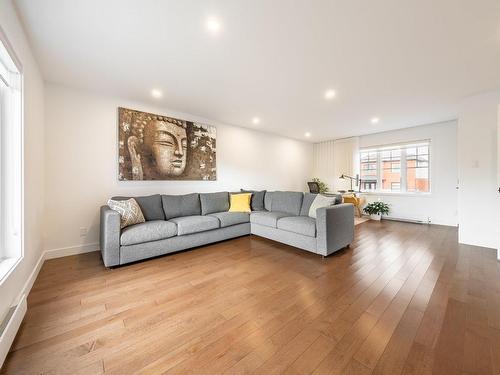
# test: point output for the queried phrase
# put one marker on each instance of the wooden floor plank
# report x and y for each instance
(404, 298)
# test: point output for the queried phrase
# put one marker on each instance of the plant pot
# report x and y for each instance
(376, 217)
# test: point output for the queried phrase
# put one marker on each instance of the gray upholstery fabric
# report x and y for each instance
(231, 218)
(214, 202)
(181, 205)
(306, 203)
(269, 219)
(195, 224)
(146, 250)
(338, 198)
(109, 236)
(304, 225)
(287, 201)
(148, 231)
(150, 205)
(268, 200)
(257, 203)
(288, 238)
(335, 227)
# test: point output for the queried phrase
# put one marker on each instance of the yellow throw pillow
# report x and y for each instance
(240, 202)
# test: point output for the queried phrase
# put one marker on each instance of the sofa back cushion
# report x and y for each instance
(306, 203)
(150, 205)
(181, 205)
(257, 202)
(214, 202)
(289, 202)
(268, 198)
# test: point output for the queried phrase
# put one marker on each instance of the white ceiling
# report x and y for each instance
(407, 62)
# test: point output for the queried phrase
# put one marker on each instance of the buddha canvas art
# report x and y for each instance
(156, 147)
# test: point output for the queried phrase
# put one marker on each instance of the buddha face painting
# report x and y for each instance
(166, 142)
(157, 147)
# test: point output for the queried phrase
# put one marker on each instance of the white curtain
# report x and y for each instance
(334, 158)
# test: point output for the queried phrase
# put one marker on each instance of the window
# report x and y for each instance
(391, 169)
(417, 166)
(396, 168)
(10, 159)
(369, 171)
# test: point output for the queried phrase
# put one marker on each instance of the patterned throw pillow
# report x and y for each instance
(129, 210)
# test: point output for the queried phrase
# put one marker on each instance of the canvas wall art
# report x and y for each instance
(156, 147)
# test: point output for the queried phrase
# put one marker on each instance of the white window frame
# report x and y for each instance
(11, 73)
(403, 167)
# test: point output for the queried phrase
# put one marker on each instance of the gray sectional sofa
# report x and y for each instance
(178, 222)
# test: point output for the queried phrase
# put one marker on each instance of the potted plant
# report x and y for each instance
(376, 210)
(323, 188)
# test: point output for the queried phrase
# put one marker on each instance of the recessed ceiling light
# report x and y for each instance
(307, 134)
(330, 94)
(375, 120)
(155, 93)
(213, 25)
(256, 121)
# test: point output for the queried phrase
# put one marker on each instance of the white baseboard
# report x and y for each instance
(20, 301)
(10, 326)
(32, 277)
(72, 250)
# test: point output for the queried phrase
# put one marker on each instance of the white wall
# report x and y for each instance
(81, 160)
(440, 206)
(33, 158)
(478, 195)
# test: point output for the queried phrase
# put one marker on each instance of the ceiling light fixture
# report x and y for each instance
(307, 134)
(155, 93)
(330, 94)
(256, 121)
(375, 120)
(213, 25)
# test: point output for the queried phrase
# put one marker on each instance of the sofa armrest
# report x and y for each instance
(109, 237)
(335, 227)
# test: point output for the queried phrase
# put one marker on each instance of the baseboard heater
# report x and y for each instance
(415, 221)
(9, 327)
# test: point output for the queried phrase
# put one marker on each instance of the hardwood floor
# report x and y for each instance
(403, 299)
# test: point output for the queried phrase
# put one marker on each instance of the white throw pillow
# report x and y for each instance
(129, 210)
(318, 202)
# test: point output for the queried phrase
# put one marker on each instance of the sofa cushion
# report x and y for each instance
(268, 199)
(181, 205)
(306, 203)
(257, 202)
(304, 225)
(231, 218)
(150, 205)
(269, 219)
(240, 202)
(319, 202)
(214, 202)
(146, 232)
(129, 210)
(287, 201)
(338, 198)
(195, 224)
